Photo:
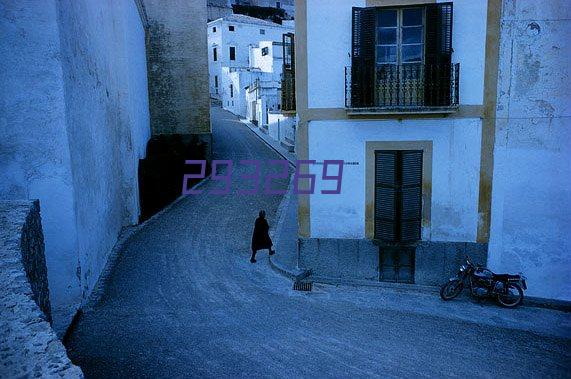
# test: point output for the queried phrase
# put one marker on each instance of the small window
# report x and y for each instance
(215, 54)
(214, 29)
(265, 51)
(278, 4)
(232, 53)
(231, 28)
(262, 31)
(216, 81)
(231, 90)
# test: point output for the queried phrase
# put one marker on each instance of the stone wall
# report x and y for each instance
(178, 98)
(178, 67)
(358, 259)
(28, 345)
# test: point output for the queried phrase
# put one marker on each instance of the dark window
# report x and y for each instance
(214, 29)
(288, 73)
(215, 54)
(265, 51)
(231, 90)
(262, 31)
(216, 81)
(401, 56)
(232, 53)
(231, 28)
(398, 195)
(278, 4)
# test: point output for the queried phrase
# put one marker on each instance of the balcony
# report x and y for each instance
(402, 89)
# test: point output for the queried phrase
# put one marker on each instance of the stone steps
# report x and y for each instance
(288, 146)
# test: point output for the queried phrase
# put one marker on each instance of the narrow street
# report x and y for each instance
(184, 301)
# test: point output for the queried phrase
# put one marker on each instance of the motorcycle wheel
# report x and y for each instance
(451, 289)
(513, 297)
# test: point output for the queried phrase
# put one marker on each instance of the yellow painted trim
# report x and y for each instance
(391, 3)
(489, 121)
(320, 114)
(370, 148)
(301, 93)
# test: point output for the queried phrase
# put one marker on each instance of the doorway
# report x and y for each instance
(398, 212)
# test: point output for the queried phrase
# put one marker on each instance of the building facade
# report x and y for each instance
(409, 97)
(229, 42)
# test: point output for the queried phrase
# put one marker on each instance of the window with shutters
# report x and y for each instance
(402, 59)
(398, 195)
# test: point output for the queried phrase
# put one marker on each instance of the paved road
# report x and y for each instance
(183, 301)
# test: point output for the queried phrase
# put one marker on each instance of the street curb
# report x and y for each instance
(294, 276)
(528, 302)
(251, 127)
(280, 215)
(540, 302)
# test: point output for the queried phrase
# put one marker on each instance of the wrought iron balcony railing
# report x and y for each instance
(288, 91)
(402, 88)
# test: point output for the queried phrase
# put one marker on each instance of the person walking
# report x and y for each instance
(261, 237)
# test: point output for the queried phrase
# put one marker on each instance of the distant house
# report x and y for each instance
(230, 40)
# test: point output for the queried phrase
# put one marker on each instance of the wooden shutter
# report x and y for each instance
(363, 57)
(438, 55)
(411, 196)
(386, 187)
(398, 195)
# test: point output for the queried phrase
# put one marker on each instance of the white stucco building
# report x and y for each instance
(442, 132)
(230, 40)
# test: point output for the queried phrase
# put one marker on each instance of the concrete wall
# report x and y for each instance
(455, 174)
(28, 345)
(272, 62)
(178, 66)
(329, 48)
(359, 259)
(531, 198)
(74, 124)
(281, 127)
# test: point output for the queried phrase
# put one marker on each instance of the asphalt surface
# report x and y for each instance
(184, 301)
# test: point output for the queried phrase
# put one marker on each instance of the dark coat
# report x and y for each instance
(261, 238)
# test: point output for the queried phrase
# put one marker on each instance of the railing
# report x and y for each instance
(402, 88)
(288, 91)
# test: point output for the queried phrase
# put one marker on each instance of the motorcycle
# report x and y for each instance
(505, 288)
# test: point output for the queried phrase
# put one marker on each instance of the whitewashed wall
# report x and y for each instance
(329, 49)
(455, 174)
(74, 122)
(531, 198)
(243, 38)
(272, 62)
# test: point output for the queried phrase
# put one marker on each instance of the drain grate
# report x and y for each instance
(302, 286)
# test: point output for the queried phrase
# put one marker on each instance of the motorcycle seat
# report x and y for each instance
(503, 277)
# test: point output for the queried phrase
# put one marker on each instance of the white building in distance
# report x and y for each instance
(230, 40)
(452, 120)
